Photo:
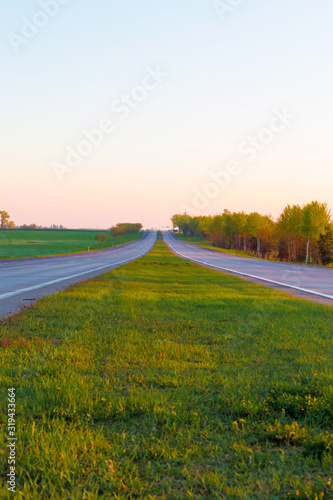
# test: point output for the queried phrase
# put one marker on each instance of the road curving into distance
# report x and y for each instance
(22, 281)
(311, 282)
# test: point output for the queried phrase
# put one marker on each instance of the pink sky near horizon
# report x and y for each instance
(82, 202)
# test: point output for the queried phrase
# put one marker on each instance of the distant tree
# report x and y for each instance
(239, 225)
(30, 226)
(254, 224)
(175, 221)
(267, 235)
(216, 231)
(184, 223)
(114, 231)
(289, 229)
(205, 223)
(11, 224)
(4, 219)
(325, 244)
(316, 216)
(101, 238)
(125, 228)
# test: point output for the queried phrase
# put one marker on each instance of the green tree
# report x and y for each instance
(261, 227)
(217, 231)
(205, 223)
(239, 226)
(325, 244)
(175, 221)
(125, 228)
(316, 216)
(183, 222)
(289, 230)
(253, 228)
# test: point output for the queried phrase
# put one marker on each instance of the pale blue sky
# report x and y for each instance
(225, 78)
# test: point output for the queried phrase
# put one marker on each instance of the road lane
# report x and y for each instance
(25, 280)
(310, 280)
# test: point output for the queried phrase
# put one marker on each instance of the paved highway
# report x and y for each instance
(310, 281)
(22, 281)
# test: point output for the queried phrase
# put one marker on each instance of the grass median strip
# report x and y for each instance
(168, 380)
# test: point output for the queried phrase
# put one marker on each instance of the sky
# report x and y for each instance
(134, 111)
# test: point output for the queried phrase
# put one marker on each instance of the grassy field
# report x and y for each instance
(164, 380)
(20, 243)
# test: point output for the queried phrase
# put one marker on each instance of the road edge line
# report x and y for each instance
(251, 275)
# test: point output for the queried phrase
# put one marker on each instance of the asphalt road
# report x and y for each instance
(305, 281)
(22, 281)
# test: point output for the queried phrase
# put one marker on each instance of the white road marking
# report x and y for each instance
(251, 276)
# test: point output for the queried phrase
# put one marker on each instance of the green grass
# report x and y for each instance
(20, 243)
(165, 380)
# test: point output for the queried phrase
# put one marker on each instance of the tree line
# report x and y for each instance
(125, 228)
(300, 234)
(119, 230)
(6, 223)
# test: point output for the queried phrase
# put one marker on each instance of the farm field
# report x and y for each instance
(163, 379)
(16, 243)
